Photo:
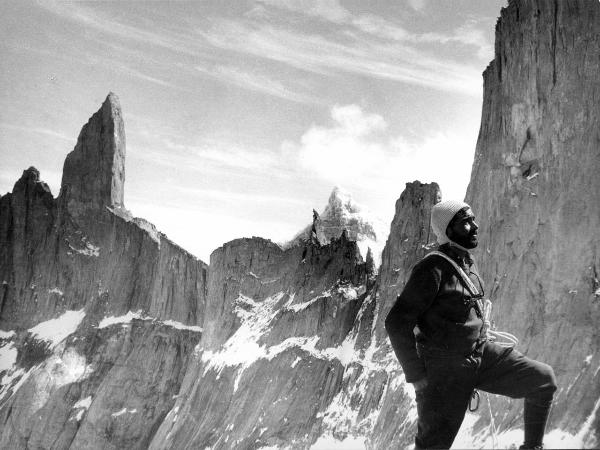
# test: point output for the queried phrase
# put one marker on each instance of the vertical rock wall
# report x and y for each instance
(536, 190)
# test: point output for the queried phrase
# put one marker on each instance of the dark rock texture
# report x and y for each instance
(535, 188)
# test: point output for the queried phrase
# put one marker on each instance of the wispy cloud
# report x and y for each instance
(92, 19)
(361, 44)
(229, 195)
(328, 10)
(37, 130)
(468, 34)
(361, 55)
(207, 157)
(257, 82)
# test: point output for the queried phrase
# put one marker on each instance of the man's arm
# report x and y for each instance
(418, 294)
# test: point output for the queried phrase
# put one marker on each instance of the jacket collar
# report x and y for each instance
(462, 257)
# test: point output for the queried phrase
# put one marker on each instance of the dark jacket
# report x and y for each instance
(445, 314)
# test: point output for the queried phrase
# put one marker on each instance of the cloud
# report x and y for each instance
(359, 44)
(328, 10)
(92, 19)
(468, 34)
(223, 195)
(358, 55)
(257, 82)
(356, 151)
(343, 151)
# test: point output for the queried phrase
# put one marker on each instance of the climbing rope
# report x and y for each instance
(501, 338)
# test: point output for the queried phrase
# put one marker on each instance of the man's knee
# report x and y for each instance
(546, 386)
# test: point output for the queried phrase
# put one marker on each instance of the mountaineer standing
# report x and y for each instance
(437, 330)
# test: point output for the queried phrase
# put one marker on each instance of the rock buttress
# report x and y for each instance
(535, 189)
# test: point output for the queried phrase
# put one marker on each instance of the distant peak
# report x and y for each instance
(340, 199)
(343, 216)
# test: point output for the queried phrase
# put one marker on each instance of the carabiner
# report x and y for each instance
(474, 396)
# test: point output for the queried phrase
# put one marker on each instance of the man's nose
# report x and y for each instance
(475, 226)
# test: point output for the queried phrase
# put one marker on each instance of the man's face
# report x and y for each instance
(462, 229)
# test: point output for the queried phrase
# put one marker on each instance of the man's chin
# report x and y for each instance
(471, 244)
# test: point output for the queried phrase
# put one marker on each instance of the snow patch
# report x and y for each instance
(242, 348)
(8, 379)
(84, 403)
(82, 406)
(56, 291)
(55, 330)
(89, 249)
(331, 443)
(301, 306)
(348, 292)
(124, 319)
(588, 359)
(60, 369)
(7, 334)
(127, 318)
(124, 411)
(181, 326)
(8, 357)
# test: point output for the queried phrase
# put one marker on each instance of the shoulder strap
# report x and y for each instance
(461, 273)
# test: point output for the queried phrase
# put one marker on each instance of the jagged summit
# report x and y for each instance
(31, 176)
(94, 172)
(343, 213)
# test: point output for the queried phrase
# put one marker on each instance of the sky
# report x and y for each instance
(242, 116)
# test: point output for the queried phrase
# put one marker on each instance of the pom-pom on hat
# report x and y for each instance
(441, 215)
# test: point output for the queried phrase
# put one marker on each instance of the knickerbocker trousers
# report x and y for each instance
(442, 404)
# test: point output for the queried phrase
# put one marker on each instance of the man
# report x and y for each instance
(436, 330)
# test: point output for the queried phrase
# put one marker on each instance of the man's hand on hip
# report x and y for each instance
(420, 385)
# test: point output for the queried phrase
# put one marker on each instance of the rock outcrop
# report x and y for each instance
(535, 188)
(67, 266)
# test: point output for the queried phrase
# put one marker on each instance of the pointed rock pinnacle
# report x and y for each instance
(94, 172)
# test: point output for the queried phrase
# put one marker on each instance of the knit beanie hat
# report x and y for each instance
(441, 215)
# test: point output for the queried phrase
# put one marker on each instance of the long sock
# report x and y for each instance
(535, 417)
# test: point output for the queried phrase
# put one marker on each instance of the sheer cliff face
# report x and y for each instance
(100, 313)
(535, 188)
